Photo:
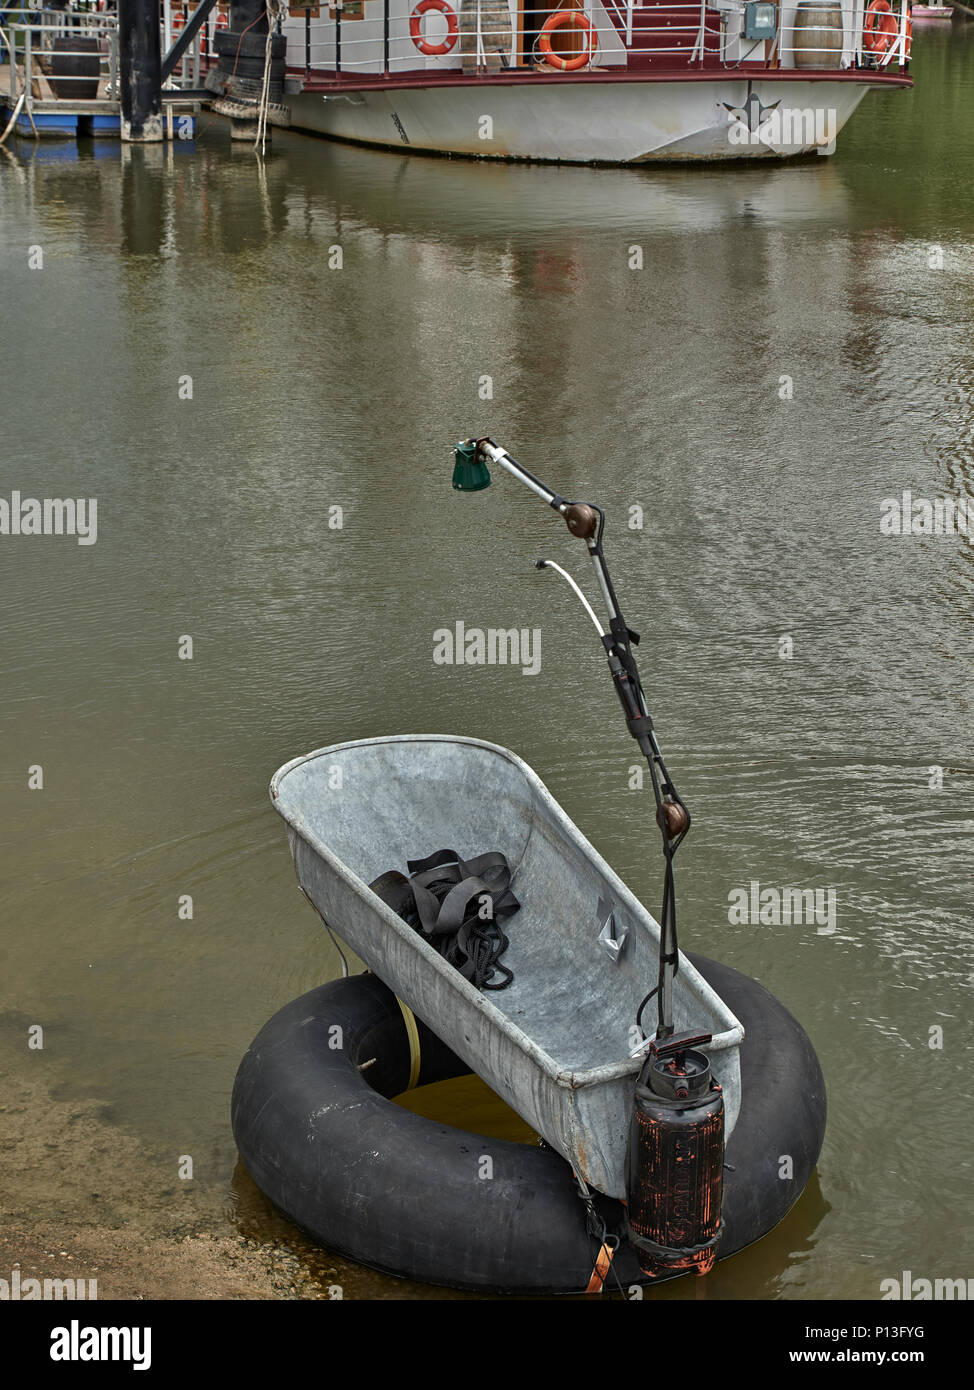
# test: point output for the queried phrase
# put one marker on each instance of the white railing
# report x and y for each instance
(176, 14)
(187, 71)
(619, 10)
(29, 51)
(623, 33)
(615, 28)
(36, 71)
(720, 31)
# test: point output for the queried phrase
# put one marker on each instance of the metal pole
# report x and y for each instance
(502, 457)
(176, 50)
(140, 70)
(673, 818)
(18, 104)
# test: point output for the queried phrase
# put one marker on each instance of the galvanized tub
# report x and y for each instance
(555, 1043)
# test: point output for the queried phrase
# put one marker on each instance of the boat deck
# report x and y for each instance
(325, 81)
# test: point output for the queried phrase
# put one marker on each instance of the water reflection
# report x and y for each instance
(315, 386)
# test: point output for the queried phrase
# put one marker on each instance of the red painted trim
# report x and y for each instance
(321, 80)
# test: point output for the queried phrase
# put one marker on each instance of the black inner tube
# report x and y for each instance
(313, 1120)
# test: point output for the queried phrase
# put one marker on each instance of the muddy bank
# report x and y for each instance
(83, 1200)
(131, 1264)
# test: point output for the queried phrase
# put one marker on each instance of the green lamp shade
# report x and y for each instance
(469, 473)
(760, 19)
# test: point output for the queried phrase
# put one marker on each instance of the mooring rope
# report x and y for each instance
(277, 11)
(264, 93)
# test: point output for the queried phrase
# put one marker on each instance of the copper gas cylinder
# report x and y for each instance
(675, 1160)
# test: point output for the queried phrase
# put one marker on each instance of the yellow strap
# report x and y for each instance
(412, 1033)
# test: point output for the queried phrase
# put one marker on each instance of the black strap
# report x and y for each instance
(443, 898)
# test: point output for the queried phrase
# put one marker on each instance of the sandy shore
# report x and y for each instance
(81, 1200)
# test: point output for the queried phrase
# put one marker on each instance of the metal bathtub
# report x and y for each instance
(555, 1043)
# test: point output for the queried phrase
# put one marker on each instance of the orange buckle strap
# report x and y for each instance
(601, 1271)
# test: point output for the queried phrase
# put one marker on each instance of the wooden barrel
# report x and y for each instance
(817, 35)
(74, 58)
(495, 29)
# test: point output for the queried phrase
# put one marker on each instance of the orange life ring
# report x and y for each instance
(881, 28)
(575, 20)
(416, 27)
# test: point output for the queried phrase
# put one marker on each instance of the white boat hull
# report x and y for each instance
(609, 122)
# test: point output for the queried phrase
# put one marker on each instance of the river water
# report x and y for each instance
(845, 284)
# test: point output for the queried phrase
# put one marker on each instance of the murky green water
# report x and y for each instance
(314, 388)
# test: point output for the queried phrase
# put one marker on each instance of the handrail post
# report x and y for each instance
(385, 37)
(28, 76)
(699, 47)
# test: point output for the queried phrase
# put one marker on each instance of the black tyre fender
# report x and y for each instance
(403, 1194)
(250, 90)
(229, 44)
(251, 69)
